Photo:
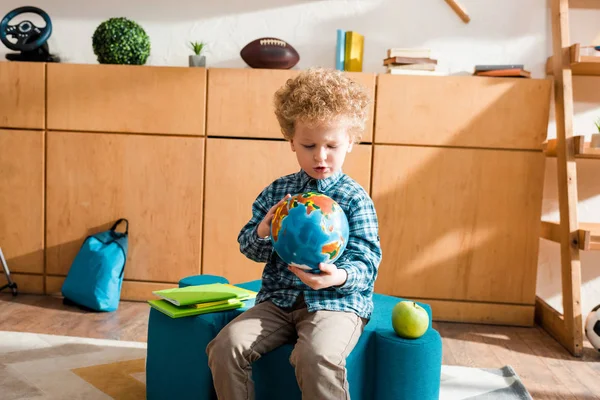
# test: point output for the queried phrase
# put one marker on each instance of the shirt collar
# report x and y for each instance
(321, 184)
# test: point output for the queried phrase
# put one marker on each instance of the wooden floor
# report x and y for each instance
(547, 370)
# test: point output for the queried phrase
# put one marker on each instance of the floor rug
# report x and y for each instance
(44, 367)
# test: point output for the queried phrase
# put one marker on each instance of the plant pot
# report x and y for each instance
(197, 61)
(595, 142)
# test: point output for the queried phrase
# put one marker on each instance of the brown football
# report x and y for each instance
(270, 53)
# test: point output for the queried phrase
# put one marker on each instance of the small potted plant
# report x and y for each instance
(595, 142)
(197, 59)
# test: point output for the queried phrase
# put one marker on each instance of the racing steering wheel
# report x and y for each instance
(31, 39)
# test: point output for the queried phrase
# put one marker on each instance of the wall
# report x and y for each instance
(515, 31)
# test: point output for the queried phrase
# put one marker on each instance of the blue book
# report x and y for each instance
(340, 50)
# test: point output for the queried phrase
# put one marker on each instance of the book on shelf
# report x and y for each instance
(401, 60)
(340, 50)
(505, 73)
(408, 60)
(495, 67)
(353, 59)
(213, 292)
(349, 51)
(422, 67)
(409, 52)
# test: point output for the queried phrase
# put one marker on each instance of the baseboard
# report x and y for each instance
(481, 312)
(131, 290)
(26, 283)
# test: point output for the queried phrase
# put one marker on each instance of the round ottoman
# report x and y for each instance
(194, 280)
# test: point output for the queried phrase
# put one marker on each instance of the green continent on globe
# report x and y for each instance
(314, 201)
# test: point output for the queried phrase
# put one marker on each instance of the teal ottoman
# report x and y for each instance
(382, 366)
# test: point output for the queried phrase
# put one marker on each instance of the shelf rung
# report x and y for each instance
(589, 236)
(550, 231)
(588, 232)
(589, 4)
(582, 149)
(580, 65)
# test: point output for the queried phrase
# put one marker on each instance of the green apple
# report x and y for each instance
(409, 319)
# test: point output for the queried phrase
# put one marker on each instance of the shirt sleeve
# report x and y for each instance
(251, 245)
(363, 253)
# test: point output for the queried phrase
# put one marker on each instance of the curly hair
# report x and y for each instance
(320, 95)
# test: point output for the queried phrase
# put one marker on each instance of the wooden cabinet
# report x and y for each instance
(456, 175)
(22, 200)
(236, 172)
(462, 111)
(458, 224)
(22, 95)
(154, 181)
(240, 101)
(126, 98)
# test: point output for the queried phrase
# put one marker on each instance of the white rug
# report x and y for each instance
(460, 383)
(44, 367)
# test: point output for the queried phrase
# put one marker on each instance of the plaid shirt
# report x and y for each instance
(360, 259)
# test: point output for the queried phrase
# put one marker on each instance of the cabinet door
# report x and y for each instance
(126, 98)
(240, 103)
(153, 181)
(236, 172)
(22, 95)
(462, 111)
(22, 200)
(458, 224)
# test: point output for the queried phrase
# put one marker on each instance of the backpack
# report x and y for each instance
(96, 275)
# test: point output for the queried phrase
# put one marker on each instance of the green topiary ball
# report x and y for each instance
(121, 41)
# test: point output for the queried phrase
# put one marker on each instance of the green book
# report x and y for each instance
(204, 293)
(185, 311)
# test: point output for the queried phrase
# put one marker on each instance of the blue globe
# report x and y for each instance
(308, 229)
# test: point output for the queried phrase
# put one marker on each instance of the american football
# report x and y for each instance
(270, 53)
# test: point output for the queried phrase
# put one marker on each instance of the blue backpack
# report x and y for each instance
(96, 275)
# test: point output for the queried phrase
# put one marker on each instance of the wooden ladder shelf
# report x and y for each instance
(573, 236)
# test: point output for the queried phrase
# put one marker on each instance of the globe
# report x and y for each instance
(308, 229)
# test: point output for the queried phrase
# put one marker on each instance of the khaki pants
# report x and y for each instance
(324, 340)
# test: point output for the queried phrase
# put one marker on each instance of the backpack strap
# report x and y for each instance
(117, 224)
(121, 240)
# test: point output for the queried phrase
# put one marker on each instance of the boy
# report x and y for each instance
(322, 114)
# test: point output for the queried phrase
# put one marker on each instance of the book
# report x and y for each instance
(423, 67)
(408, 60)
(203, 294)
(340, 50)
(215, 303)
(174, 311)
(505, 73)
(493, 67)
(353, 59)
(409, 52)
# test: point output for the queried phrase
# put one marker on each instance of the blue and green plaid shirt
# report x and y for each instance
(360, 259)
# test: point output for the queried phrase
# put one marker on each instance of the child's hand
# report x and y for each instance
(330, 276)
(264, 228)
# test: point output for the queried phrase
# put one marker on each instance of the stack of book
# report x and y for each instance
(349, 51)
(200, 299)
(409, 61)
(502, 70)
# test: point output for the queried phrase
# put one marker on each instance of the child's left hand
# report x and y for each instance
(330, 276)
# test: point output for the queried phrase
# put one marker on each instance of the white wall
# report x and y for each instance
(517, 33)
(508, 31)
